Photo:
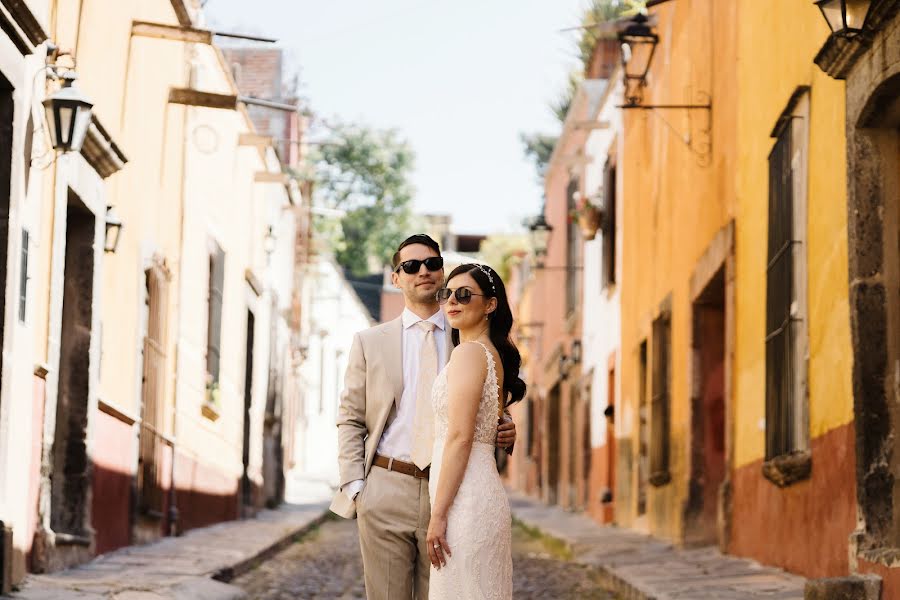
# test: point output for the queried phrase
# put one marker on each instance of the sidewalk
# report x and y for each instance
(180, 568)
(639, 567)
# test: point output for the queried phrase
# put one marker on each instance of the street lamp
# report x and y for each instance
(269, 241)
(113, 229)
(540, 237)
(845, 17)
(68, 115)
(638, 47)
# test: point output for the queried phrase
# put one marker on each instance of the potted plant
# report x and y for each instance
(589, 217)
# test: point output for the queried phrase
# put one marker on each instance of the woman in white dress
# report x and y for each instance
(469, 535)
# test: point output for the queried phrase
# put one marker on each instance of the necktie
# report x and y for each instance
(423, 425)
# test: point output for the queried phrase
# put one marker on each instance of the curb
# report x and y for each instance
(228, 573)
(608, 579)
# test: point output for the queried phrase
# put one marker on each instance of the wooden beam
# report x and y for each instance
(270, 177)
(181, 11)
(191, 97)
(254, 139)
(177, 33)
(592, 125)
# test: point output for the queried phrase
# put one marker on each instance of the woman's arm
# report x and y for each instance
(466, 373)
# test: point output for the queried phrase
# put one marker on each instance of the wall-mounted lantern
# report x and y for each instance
(68, 115)
(563, 366)
(113, 230)
(576, 351)
(845, 17)
(638, 47)
(269, 241)
(540, 237)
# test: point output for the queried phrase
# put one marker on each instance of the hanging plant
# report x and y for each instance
(589, 217)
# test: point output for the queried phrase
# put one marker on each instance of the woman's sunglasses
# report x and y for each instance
(463, 295)
(411, 267)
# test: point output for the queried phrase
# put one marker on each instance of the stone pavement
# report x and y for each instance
(639, 567)
(190, 567)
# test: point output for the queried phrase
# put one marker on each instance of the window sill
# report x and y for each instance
(788, 469)
(210, 411)
(71, 539)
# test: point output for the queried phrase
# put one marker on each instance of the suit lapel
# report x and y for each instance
(393, 356)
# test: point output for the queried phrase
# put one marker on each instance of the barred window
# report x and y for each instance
(573, 245)
(214, 313)
(660, 402)
(609, 225)
(786, 272)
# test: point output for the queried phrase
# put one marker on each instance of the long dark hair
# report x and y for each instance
(501, 321)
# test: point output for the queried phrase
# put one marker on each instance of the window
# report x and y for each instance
(608, 247)
(573, 242)
(23, 280)
(786, 333)
(643, 431)
(214, 320)
(659, 408)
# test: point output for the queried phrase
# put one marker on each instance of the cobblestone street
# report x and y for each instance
(327, 564)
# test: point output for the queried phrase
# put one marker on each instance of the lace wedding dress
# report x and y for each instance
(479, 522)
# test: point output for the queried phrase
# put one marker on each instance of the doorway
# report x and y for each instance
(708, 462)
(246, 485)
(70, 477)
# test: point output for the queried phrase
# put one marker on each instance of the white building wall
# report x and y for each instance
(333, 314)
(601, 323)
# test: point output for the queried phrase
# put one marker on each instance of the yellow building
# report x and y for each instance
(735, 332)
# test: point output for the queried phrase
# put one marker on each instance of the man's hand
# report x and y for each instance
(506, 433)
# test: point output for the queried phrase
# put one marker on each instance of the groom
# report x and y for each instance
(385, 421)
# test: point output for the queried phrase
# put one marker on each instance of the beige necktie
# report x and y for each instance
(423, 426)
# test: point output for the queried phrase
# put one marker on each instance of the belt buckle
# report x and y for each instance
(390, 464)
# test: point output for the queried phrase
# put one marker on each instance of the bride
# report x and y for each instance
(469, 537)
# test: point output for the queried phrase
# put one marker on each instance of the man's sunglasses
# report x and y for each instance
(463, 295)
(411, 267)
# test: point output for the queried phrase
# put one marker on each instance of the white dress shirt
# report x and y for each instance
(396, 440)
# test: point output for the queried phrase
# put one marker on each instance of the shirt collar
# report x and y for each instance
(410, 319)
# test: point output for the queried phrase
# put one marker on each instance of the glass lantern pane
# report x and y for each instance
(856, 13)
(832, 10)
(82, 122)
(51, 125)
(64, 118)
(641, 53)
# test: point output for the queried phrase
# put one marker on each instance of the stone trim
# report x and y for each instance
(101, 152)
(788, 469)
(839, 54)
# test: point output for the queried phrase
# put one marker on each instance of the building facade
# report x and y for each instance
(149, 371)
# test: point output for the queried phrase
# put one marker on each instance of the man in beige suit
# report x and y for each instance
(385, 421)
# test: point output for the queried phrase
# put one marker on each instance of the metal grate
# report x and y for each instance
(779, 296)
(660, 403)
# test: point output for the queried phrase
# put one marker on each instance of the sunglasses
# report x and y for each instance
(463, 295)
(411, 267)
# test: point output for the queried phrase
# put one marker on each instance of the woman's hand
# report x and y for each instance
(436, 540)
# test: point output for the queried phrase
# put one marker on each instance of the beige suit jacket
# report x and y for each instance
(373, 385)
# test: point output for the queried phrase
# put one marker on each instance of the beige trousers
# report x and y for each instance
(392, 512)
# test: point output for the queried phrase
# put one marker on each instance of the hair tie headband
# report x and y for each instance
(486, 271)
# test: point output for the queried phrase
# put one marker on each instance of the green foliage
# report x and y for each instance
(497, 251)
(539, 149)
(601, 11)
(367, 177)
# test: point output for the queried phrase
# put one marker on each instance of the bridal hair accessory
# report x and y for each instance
(486, 271)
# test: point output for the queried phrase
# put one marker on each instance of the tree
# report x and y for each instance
(366, 176)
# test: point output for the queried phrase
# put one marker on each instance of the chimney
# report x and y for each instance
(604, 59)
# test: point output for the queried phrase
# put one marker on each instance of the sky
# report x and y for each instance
(460, 80)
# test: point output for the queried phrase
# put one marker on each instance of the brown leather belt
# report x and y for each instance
(401, 467)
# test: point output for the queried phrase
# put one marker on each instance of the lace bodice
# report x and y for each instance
(486, 420)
